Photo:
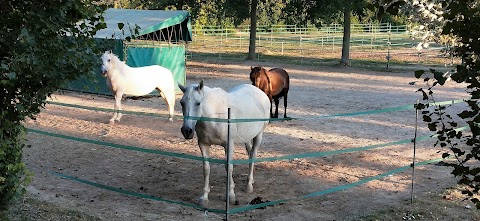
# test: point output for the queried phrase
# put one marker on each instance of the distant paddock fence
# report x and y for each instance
(240, 209)
(377, 42)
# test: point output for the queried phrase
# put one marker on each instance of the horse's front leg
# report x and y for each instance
(170, 100)
(229, 167)
(118, 106)
(206, 174)
(115, 108)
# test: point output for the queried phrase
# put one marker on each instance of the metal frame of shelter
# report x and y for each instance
(160, 40)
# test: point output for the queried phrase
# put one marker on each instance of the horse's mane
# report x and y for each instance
(262, 71)
(114, 58)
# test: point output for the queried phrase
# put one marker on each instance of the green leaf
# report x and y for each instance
(465, 114)
(439, 77)
(12, 75)
(120, 25)
(432, 126)
(427, 118)
(419, 73)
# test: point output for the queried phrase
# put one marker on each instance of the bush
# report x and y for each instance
(45, 44)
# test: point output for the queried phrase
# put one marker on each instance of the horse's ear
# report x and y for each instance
(111, 52)
(182, 87)
(251, 68)
(200, 85)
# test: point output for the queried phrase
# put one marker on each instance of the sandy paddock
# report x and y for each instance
(314, 92)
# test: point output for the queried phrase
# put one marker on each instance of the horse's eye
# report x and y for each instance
(198, 104)
(108, 60)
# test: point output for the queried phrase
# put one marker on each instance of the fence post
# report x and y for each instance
(228, 153)
(322, 45)
(388, 47)
(301, 49)
(414, 150)
(333, 43)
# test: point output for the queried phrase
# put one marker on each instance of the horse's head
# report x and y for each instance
(107, 60)
(191, 107)
(257, 75)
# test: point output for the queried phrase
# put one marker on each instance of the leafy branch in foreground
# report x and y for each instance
(462, 22)
(44, 45)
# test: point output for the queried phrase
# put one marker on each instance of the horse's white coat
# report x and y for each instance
(122, 79)
(245, 102)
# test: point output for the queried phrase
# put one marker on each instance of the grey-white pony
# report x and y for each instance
(245, 102)
(122, 79)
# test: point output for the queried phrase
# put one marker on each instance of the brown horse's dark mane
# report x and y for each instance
(264, 71)
(258, 71)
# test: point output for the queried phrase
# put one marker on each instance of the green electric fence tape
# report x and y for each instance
(383, 110)
(248, 207)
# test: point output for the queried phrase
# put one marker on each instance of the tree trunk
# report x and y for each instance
(346, 35)
(253, 30)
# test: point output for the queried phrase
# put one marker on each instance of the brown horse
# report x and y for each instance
(275, 83)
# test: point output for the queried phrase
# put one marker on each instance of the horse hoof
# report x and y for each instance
(203, 202)
(233, 199)
(105, 133)
(170, 119)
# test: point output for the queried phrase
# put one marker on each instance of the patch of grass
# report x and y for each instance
(368, 64)
(35, 209)
(449, 205)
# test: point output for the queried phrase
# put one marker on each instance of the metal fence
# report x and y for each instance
(379, 42)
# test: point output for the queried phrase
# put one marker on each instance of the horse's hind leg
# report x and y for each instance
(277, 100)
(248, 147)
(285, 104)
(229, 167)
(253, 155)
(170, 100)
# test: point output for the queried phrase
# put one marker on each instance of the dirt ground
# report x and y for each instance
(314, 92)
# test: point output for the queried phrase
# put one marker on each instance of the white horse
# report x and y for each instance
(122, 79)
(245, 102)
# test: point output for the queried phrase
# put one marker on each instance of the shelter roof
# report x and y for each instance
(156, 25)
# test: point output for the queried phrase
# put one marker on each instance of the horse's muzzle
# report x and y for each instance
(187, 133)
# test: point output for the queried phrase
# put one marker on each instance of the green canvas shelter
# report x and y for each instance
(160, 40)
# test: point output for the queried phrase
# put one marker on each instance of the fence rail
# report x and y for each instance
(221, 161)
(368, 42)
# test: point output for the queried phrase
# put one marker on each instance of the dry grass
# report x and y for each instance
(31, 208)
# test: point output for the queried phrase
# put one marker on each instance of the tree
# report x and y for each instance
(347, 11)
(253, 30)
(44, 44)
(306, 12)
(461, 21)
